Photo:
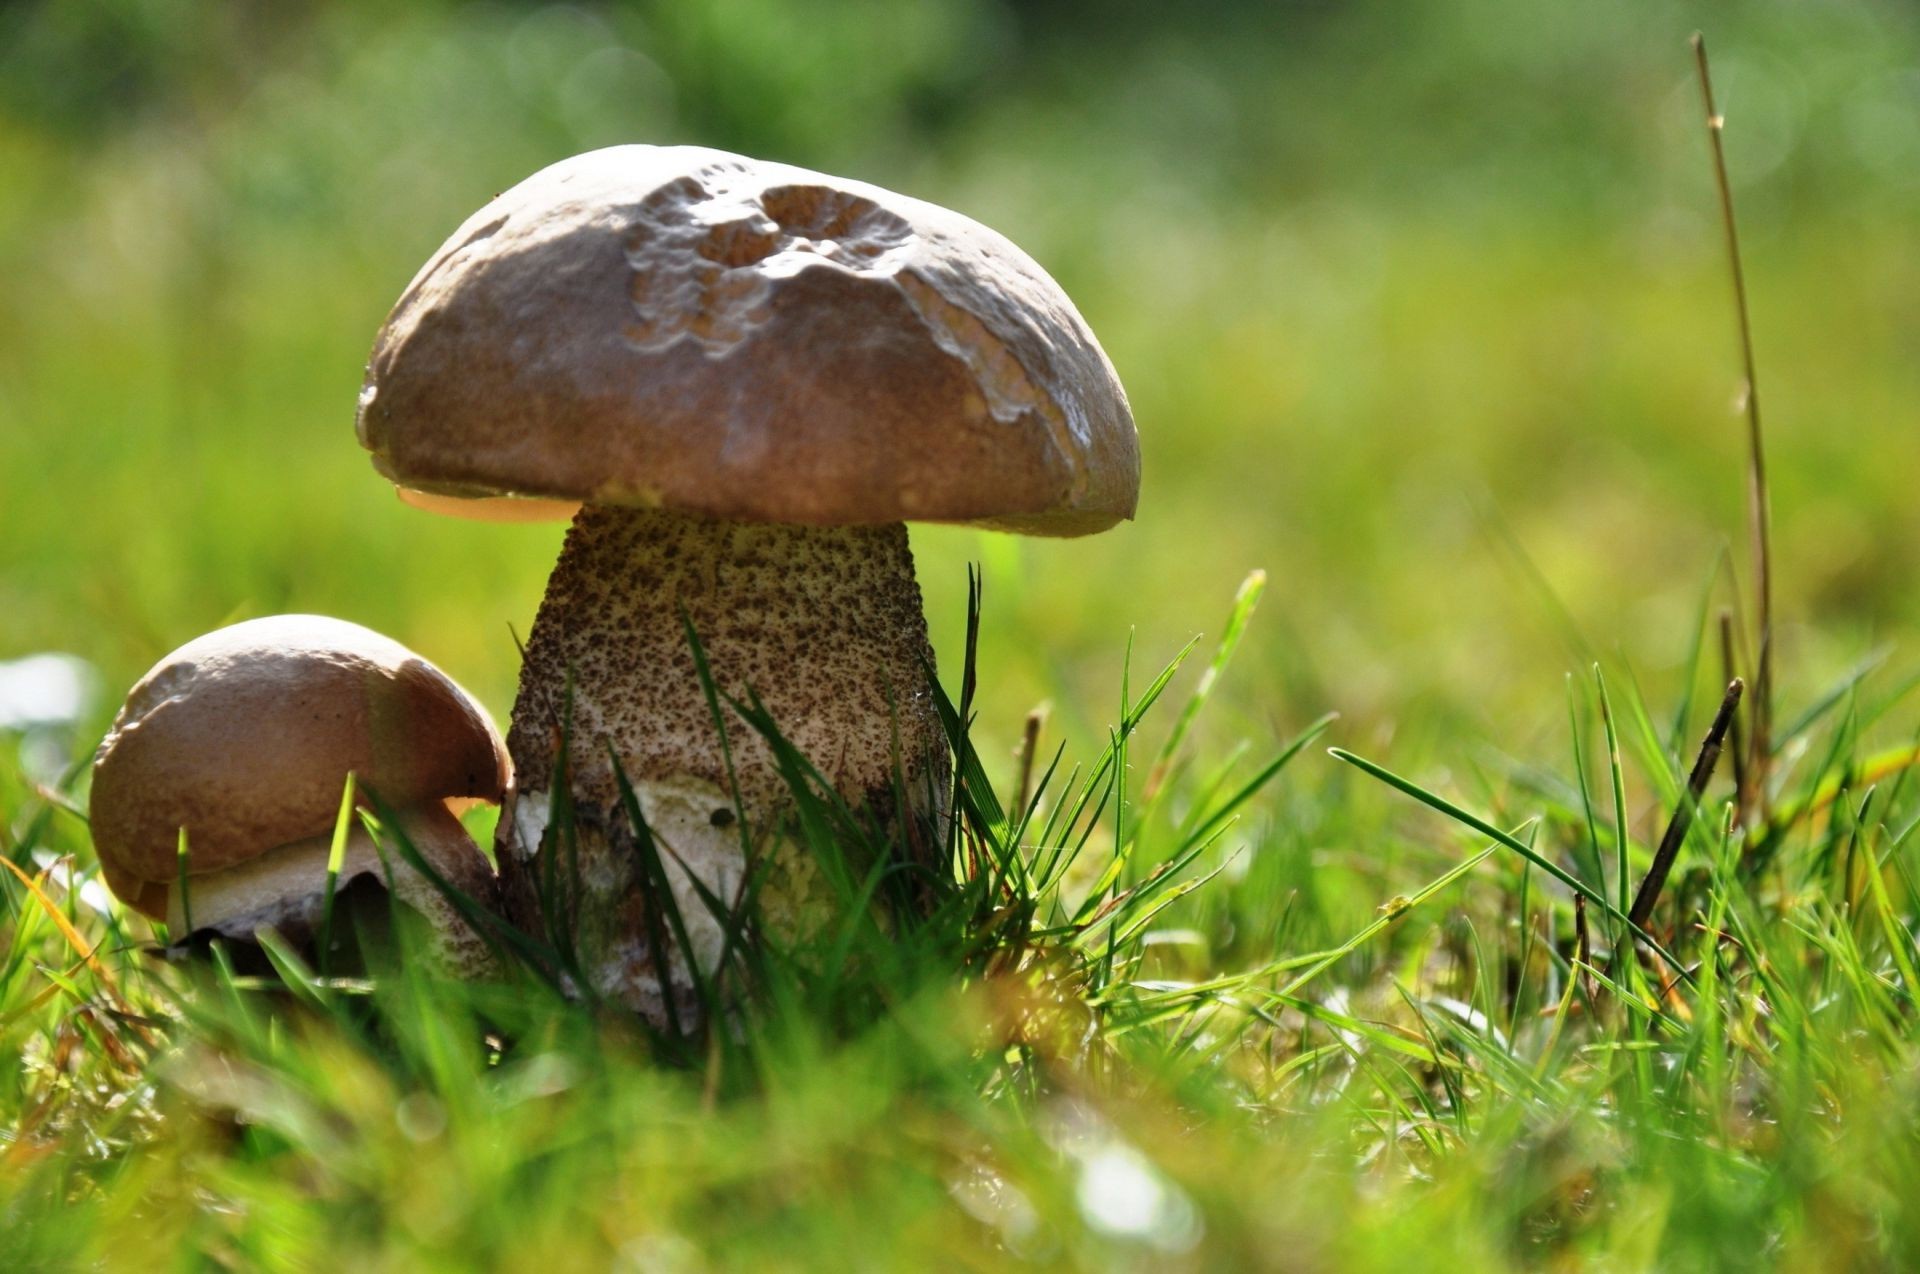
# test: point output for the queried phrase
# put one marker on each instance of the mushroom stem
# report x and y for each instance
(822, 623)
(285, 889)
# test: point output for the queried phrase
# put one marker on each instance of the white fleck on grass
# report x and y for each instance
(1120, 1192)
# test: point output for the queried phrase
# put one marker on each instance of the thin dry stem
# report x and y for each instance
(1730, 671)
(1656, 878)
(1029, 743)
(1759, 511)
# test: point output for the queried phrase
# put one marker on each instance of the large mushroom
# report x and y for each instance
(244, 737)
(740, 379)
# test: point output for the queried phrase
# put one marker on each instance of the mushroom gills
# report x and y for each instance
(822, 624)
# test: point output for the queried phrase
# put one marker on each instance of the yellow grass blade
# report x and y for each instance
(67, 931)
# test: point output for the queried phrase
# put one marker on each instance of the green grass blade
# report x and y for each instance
(336, 857)
(1519, 847)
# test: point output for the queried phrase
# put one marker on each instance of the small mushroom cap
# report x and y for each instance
(671, 326)
(245, 737)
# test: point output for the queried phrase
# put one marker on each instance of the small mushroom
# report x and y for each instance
(740, 379)
(244, 737)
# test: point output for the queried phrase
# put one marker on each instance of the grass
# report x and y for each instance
(1068, 1059)
(1195, 993)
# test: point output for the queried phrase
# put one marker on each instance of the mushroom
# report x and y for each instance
(740, 379)
(244, 738)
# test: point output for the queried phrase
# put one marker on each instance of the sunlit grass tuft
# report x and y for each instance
(1042, 1058)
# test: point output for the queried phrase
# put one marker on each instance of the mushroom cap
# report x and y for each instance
(678, 327)
(245, 737)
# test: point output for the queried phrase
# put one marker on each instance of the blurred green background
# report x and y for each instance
(1381, 279)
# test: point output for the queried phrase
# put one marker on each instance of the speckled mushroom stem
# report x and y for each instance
(823, 623)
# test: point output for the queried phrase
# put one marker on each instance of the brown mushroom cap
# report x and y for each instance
(245, 737)
(684, 328)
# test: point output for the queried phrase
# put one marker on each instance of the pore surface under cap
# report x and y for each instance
(245, 736)
(686, 328)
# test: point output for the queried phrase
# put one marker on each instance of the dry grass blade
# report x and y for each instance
(1583, 947)
(80, 945)
(1730, 671)
(1759, 511)
(86, 951)
(1029, 742)
(1676, 834)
